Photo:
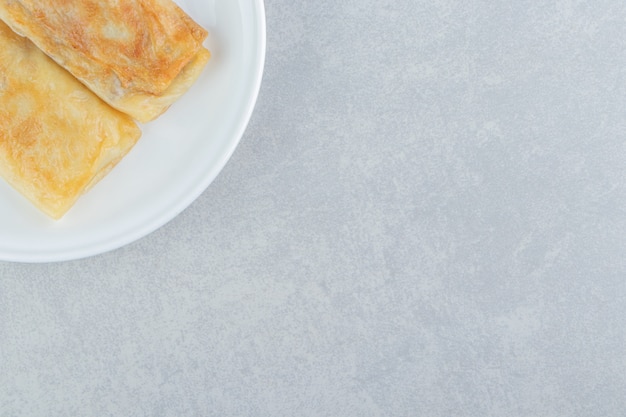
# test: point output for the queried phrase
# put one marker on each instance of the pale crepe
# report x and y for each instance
(57, 138)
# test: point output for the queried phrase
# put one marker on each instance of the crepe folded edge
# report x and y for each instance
(145, 107)
(55, 205)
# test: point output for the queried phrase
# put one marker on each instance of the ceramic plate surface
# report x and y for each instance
(177, 157)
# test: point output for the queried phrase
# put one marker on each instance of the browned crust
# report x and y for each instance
(117, 48)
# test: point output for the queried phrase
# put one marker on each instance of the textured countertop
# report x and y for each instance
(425, 217)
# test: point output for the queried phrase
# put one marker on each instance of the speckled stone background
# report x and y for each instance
(425, 217)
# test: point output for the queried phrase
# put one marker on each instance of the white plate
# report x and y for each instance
(177, 157)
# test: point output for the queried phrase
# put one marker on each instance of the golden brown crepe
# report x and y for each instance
(57, 139)
(137, 55)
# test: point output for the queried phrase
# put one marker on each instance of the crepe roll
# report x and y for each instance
(137, 55)
(57, 138)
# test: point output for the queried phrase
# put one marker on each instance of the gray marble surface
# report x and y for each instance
(425, 217)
